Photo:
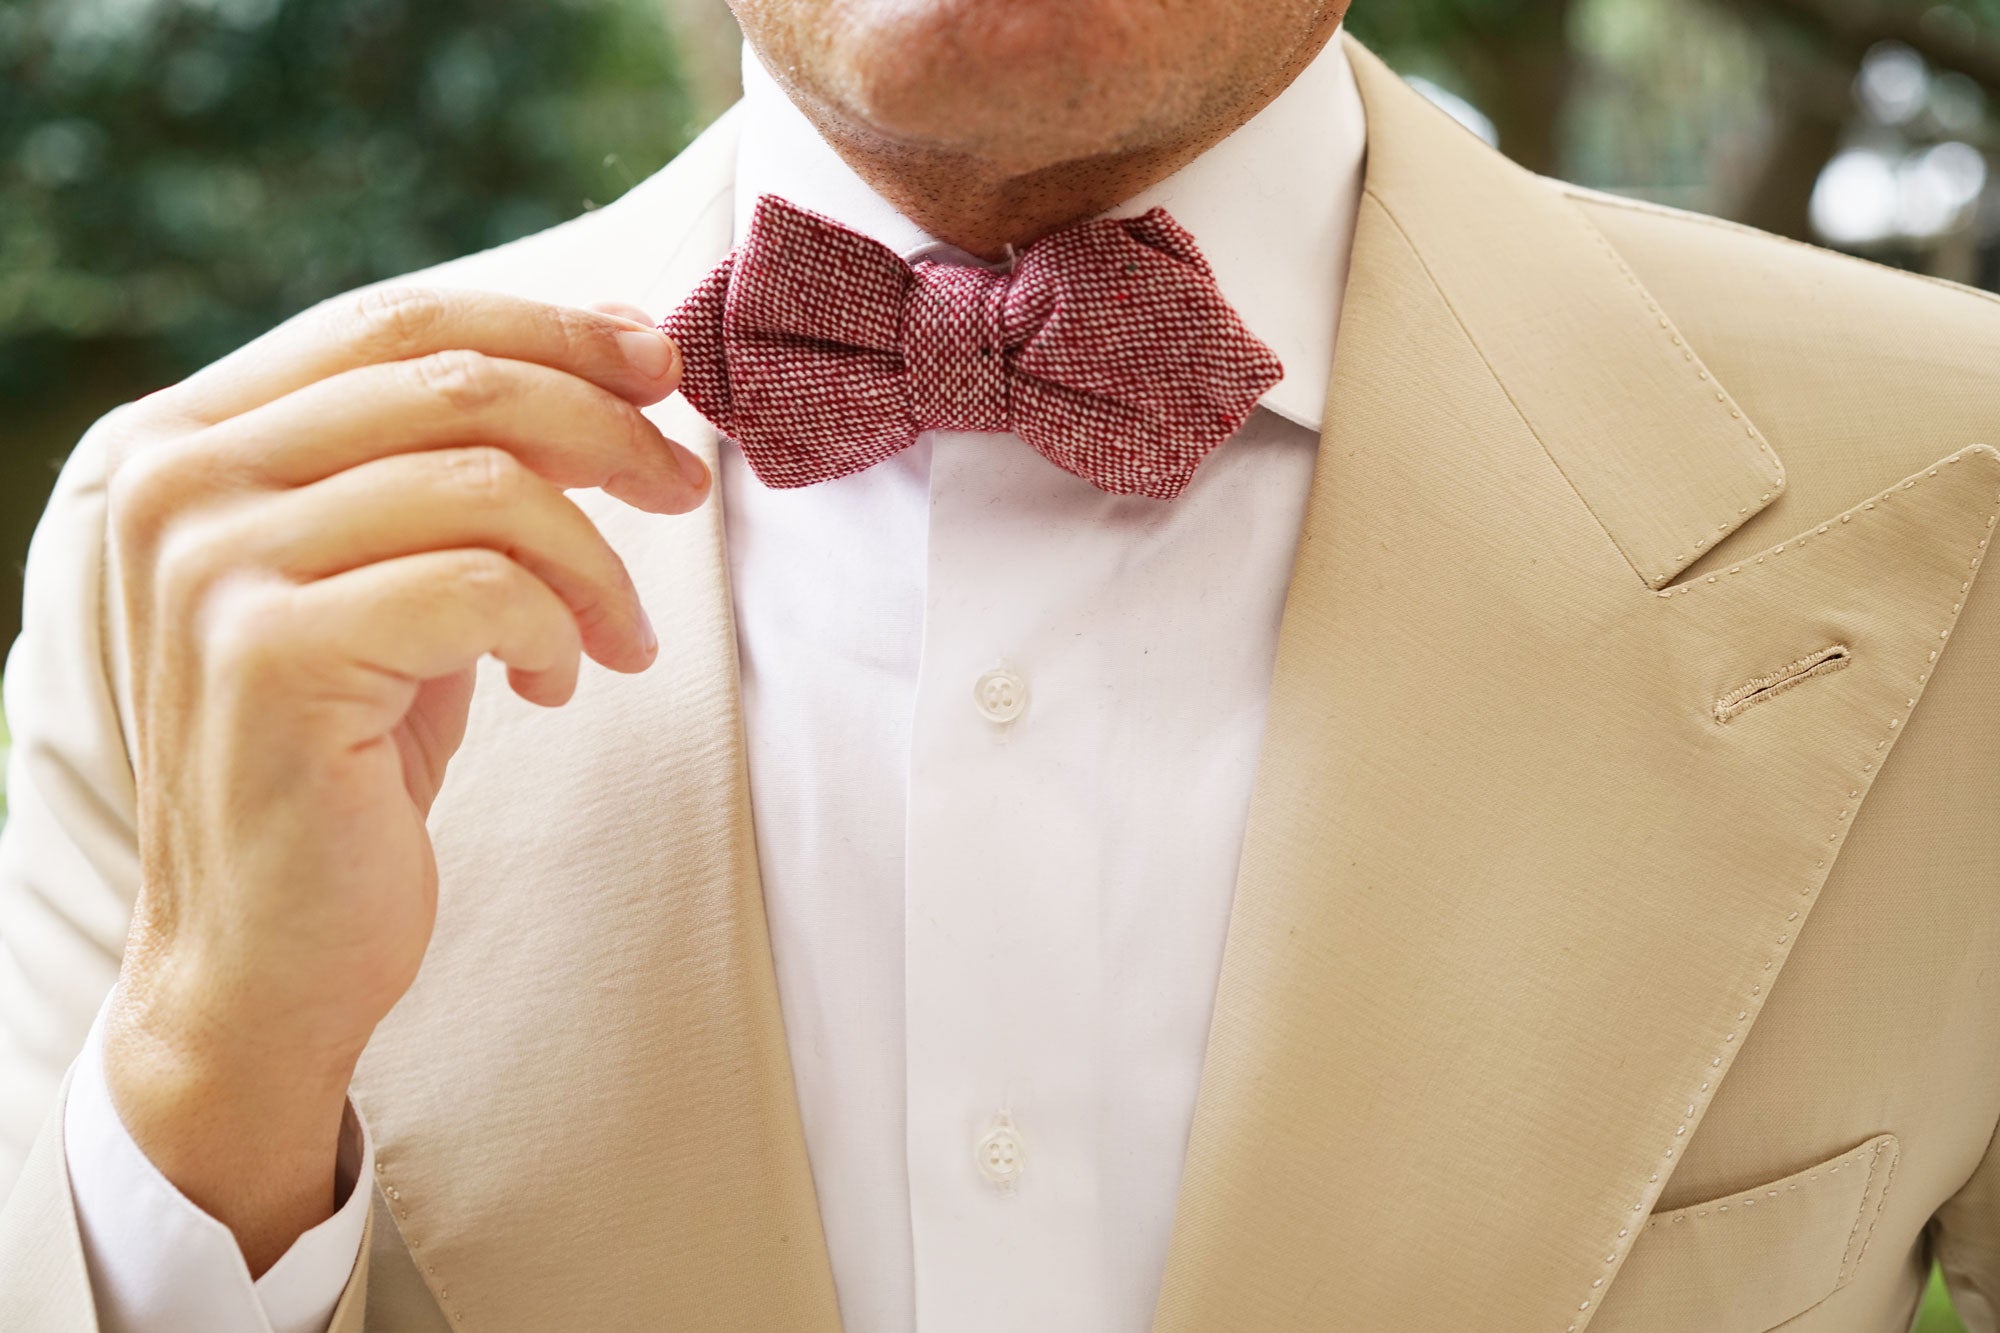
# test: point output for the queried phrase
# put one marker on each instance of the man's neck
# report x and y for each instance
(985, 207)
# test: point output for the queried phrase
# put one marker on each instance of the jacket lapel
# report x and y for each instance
(1513, 893)
(583, 1110)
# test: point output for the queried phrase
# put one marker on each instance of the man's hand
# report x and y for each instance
(317, 538)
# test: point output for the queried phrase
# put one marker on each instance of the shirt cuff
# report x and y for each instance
(158, 1262)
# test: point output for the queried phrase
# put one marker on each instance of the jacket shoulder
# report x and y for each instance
(1758, 276)
(1846, 364)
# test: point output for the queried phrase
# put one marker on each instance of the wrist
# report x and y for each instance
(247, 1125)
(206, 1015)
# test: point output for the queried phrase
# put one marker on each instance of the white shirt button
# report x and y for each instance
(1001, 1154)
(1001, 695)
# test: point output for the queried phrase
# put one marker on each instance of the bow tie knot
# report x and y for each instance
(1106, 347)
(955, 345)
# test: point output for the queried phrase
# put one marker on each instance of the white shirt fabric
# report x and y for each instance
(157, 1262)
(1002, 731)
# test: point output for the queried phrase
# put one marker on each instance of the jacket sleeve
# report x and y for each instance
(69, 870)
(68, 857)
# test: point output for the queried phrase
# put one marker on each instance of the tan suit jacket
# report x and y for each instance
(1616, 946)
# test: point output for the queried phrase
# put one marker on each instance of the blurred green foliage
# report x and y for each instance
(190, 171)
(1936, 1314)
(1726, 106)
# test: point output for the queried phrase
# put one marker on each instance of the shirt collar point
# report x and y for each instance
(1297, 402)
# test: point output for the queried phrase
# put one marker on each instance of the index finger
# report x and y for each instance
(395, 322)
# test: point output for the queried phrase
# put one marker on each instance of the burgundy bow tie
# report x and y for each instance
(1106, 346)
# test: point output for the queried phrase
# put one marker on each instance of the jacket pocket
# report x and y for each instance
(1747, 1262)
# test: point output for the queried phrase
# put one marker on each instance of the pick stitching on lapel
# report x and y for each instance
(1511, 894)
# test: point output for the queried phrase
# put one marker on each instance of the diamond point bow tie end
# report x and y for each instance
(1106, 346)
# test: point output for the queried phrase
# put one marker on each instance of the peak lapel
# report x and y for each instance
(1512, 893)
(583, 1110)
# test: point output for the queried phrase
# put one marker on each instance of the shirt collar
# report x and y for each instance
(1272, 208)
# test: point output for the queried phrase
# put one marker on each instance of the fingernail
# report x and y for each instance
(648, 353)
(649, 640)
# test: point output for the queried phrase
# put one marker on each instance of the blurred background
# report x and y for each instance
(178, 175)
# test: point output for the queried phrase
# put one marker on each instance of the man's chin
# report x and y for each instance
(1024, 83)
(1011, 122)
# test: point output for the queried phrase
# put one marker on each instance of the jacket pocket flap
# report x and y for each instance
(1748, 1262)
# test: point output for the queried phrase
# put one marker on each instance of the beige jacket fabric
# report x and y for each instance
(1617, 941)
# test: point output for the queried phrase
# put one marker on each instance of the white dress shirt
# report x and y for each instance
(1002, 731)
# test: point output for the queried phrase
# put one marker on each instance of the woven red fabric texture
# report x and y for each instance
(1106, 346)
